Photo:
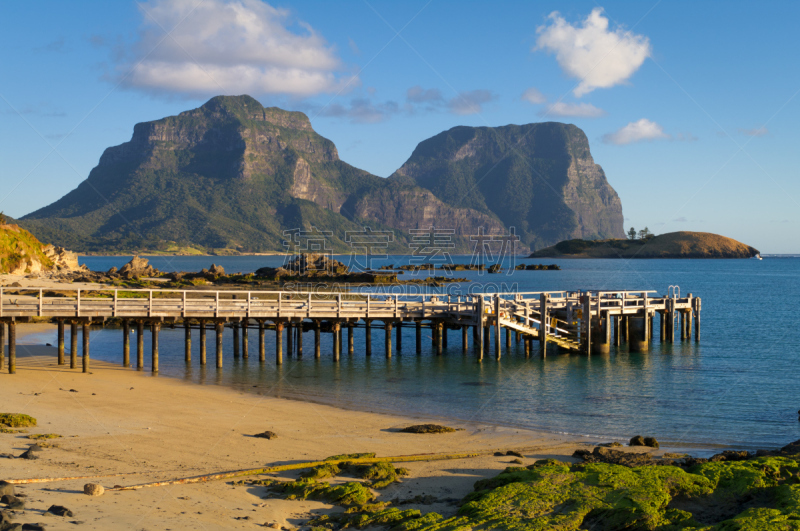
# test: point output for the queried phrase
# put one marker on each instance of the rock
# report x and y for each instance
(93, 489)
(12, 501)
(651, 442)
(515, 454)
(32, 452)
(59, 510)
(11, 527)
(791, 448)
(266, 435)
(428, 428)
(499, 454)
(637, 441)
(6, 488)
(5, 518)
(33, 527)
(216, 270)
(494, 268)
(138, 267)
(614, 457)
(517, 461)
(614, 444)
(112, 271)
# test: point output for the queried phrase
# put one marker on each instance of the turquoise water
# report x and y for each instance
(738, 387)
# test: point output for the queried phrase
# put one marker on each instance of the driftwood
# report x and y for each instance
(298, 466)
(49, 480)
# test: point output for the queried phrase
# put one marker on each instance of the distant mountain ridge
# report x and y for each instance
(235, 175)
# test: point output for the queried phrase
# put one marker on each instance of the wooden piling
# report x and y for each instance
(60, 343)
(220, 330)
(444, 334)
(350, 339)
(12, 346)
(336, 341)
(527, 342)
(86, 341)
(388, 338)
(697, 319)
(73, 344)
(487, 337)
(497, 327)
(662, 322)
(508, 339)
(464, 338)
(682, 317)
(126, 343)
(317, 339)
(586, 322)
(544, 315)
(616, 330)
(279, 342)
(299, 340)
(139, 344)
(245, 338)
(202, 324)
(236, 339)
(625, 328)
(187, 341)
(517, 336)
(399, 336)
(154, 330)
(418, 328)
(438, 328)
(262, 347)
(368, 324)
(2, 346)
(638, 333)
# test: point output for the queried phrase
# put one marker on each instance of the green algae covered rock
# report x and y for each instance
(17, 420)
(753, 495)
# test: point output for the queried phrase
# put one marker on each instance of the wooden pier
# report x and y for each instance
(586, 322)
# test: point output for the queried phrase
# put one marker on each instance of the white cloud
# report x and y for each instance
(578, 110)
(532, 95)
(231, 47)
(758, 131)
(637, 131)
(590, 52)
(469, 102)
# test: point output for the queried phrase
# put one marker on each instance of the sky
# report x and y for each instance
(691, 108)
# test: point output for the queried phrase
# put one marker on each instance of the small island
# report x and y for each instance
(682, 244)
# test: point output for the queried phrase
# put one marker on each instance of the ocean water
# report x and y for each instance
(738, 387)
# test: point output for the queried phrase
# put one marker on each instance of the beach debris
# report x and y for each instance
(6, 488)
(72, 478)
(17, 420)
(31, 452)
(428, 428)
(644, 441)
(93, 489)
(12, 501)
(59, 510)
(12, 430)
(269, 435)
(37, 436)
(515, 454)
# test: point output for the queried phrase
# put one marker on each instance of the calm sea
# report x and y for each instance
(738, 387)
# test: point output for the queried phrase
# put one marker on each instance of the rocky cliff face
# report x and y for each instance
(539, 178)
(232, 174)
(21, 253)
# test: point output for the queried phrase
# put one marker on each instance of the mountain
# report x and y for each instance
(233, 175)
(682, 244)
(538, 178)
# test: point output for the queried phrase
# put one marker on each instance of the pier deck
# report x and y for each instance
(579, 321)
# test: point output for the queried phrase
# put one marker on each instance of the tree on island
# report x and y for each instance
(632, 234)
(645, 234)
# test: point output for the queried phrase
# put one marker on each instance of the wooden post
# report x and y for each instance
(220, 331)
(202, 324)
(399, 336)
(126, 343)
(682, 315)
(443, 334)
(638, 326)
(139, 345)
(236, 340)
(262, 347)
(497, 327)
(279, 342)
(544, 315)
(388, 342)
(60, 343)
(479, 328)
(607, 330)
(341, 337)
(464, 338)
(317, 339)
(662, 322)
(517, 336)
(350, 339)
(187, 341)
(336, 337)
(587, 322)
(616, 330)
(527, 341)
(245, 341)
(12, 347)
(697, 319)
(625, 327)
(155, 328)
(73, 344)
(2, 345)
(671, 320)
(86, 341)
(289, 339)
(299, 341)
(508, 339)
(418, 330)
(368, 324)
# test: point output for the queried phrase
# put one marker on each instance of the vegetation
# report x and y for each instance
(428, 428)
(43, 436)
(17, 420)
(20, 250)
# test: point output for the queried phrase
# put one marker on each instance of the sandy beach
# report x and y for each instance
(141, 428)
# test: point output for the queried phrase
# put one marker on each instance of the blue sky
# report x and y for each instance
(690, 107)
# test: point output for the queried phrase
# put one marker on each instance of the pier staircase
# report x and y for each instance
(564, 340)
